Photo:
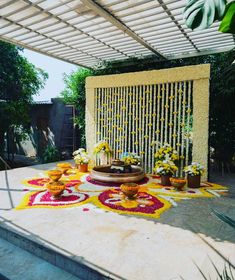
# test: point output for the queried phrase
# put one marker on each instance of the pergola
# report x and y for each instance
(86, 32)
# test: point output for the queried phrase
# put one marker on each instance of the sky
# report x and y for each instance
(55, 69)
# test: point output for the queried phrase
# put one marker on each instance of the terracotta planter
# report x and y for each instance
(165, 180)
(194, 181)
(82, 167)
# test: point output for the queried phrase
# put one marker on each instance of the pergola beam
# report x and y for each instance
(120, 25)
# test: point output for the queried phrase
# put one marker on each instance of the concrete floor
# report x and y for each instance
(128, 247)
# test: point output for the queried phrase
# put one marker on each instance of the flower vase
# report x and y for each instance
(103, 158)
(82, 167)
(165, 180)
(194, 181)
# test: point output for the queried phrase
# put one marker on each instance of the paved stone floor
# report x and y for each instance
(128, 247)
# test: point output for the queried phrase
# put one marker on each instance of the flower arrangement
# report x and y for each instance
(194, 169)
(81, 156)
(130, 158)
(165, 167)
(166, 152)
(102, 146)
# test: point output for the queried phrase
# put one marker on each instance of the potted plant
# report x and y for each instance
(81, 159)
(194, 172)
(166, 152)
(130, 158)
(103, 150)
(165, 169)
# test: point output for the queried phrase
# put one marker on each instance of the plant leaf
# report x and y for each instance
(200, 14)
(228, 23)
(224, 218)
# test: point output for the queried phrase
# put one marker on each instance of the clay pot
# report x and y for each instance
(165, 180)
(194, 181)
(130, 189)
(82, 167)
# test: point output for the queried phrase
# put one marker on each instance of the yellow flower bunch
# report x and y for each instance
(102, 146)
(130, 158)
(194, 169)
(166, 152)
(165, 167)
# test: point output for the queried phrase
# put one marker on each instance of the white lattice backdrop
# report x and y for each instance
(142, 118)
(139, 112)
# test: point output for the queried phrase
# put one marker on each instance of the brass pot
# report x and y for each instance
(56, 189)
(64, 167)
(130, 189)
(54, 175)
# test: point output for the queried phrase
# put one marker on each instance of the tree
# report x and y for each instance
(19, 82)
(75, 94)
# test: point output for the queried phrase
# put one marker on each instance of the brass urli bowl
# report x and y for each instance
(178, 183)
(103, 173)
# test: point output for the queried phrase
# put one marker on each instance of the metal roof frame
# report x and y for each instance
(87, 32)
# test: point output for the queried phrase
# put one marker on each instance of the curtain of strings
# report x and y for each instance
(142, 118)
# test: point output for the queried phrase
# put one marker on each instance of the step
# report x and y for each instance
(16, 263)
(49, 255)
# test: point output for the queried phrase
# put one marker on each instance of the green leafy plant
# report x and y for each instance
(50, 154)
(19, 82)
(224, 218)
(75, 94)
(201, 14)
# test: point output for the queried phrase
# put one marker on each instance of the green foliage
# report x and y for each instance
(50, 154)
(201, 14)
(19, 81)
(228, 23)
(224, 218)
(75, 94)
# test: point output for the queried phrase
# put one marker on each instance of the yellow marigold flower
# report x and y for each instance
(188, 111)
(154, 114)
(171, 97)
(157, 131)
(143, 106)
(175, 113)
(98, 133)
(142, 153)
(174, 135)
(133, 132)
(120, 129)
(133, 103)
(180, 91)
(146, 136)
(130, 114)
(183, 102)
(159, 97)
(150, 124)
(123, 107)
(170, 124)
(162, 119)
(166, 106)
(139, 129)
(136, 143)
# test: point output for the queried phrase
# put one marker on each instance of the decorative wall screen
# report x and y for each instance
(139, 112)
